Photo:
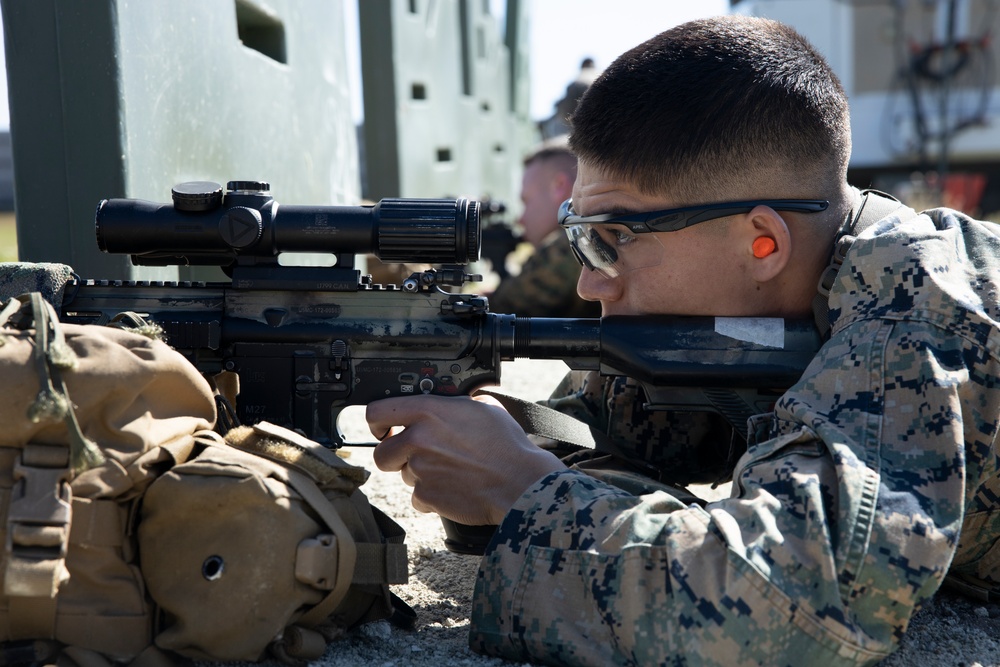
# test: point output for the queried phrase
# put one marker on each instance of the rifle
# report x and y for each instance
(307, 342)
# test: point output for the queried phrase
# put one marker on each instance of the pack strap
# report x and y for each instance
(977, 589)
(383, 563)
(873, 206)
(378, 563)
(38, 521)
(357, 562)
(40, 507)
(346, 547)
(52, 355)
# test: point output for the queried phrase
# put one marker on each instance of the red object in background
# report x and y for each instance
(963, 192)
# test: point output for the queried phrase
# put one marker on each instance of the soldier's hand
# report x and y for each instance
(466, 459)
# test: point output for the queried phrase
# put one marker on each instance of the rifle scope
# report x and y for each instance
(205, 226)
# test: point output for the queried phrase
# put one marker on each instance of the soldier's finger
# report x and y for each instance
(406, 474)
(392, 453)
(402, 411)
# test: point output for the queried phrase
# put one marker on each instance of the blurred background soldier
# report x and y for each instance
(559, 122)
(546, 284)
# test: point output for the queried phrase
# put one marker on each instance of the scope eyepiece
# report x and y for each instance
(203, 225)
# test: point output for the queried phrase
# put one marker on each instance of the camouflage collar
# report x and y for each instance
(870, 206)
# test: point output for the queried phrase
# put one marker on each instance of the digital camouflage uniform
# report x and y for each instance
(875, 475)
(546, 285)
(679, 447)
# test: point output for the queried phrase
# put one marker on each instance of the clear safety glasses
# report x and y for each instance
(616, 244)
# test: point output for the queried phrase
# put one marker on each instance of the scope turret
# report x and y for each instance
(205, 225)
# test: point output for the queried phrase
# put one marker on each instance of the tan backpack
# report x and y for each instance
(133, 533)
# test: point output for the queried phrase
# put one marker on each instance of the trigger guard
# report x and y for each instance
(342, 432)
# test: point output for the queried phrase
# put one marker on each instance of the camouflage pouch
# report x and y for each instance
(262, 545)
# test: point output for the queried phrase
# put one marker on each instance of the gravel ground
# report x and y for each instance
(950, 632)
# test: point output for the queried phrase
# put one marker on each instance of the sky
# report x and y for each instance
(562, 34)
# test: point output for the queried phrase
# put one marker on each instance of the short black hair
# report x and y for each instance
(733, 99)
(555, 151)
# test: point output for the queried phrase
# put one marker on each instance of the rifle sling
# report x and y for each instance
(874, 206)
(549, 423)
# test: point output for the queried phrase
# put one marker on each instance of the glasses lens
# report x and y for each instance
(614, 249)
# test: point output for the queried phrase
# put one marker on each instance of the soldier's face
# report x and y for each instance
(701, 271)
(541, 188)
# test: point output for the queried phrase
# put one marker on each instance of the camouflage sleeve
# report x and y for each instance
(581, 395)
(546, 285)
(841, 522)
(683, 447)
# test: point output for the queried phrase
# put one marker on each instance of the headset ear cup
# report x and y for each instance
(763, 246)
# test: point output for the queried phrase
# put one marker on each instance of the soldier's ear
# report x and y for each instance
(766, 243)
(561, 186)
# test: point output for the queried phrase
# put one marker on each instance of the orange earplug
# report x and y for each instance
(763, 246)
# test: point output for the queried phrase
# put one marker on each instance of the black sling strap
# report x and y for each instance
(874, 206)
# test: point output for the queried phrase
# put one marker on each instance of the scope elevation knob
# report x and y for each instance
(197, 196)
(248, 186)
